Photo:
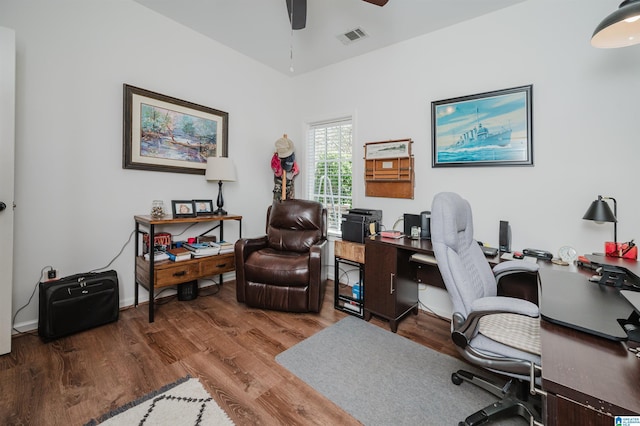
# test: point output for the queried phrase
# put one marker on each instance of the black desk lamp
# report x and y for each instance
(619, 29)
(220, 169)
(599, 211)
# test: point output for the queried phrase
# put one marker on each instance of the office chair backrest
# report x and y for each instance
(464, 268)
(296, 225)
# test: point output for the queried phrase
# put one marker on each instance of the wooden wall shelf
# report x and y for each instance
(391, 177)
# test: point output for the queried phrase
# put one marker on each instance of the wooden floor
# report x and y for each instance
(229, 347)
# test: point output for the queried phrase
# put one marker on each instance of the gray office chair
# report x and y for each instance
(497, 333)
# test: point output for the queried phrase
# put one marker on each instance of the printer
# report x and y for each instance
(359, 224)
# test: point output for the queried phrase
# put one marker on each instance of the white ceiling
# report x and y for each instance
(260, 29)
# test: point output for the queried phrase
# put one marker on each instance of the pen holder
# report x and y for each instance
(623, 250)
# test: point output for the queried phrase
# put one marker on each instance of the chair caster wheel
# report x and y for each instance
(457, 380)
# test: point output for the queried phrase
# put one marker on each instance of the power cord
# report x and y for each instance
(215, 284)
(13, 321)
(345, 272)
(117, 255)
(127, 243)
(431, 311)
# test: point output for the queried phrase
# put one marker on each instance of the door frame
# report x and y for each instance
(7, 181)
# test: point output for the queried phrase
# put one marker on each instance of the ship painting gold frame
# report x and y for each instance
(486, 129)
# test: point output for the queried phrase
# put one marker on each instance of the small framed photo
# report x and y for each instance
(203, 207)
(387, 149)
(183, 208)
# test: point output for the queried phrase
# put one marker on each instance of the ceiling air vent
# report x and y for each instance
(351, 36)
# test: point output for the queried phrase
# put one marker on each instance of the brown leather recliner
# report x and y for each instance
(284, 269)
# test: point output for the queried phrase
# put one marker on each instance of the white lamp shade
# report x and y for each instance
(621, 28)
(220, 169)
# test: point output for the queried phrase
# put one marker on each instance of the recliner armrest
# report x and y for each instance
(245, 246)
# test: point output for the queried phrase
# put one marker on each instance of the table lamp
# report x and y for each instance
(220, 169)
(599, 212)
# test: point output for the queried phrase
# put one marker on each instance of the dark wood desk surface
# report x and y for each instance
(588, 378)
(590, 370)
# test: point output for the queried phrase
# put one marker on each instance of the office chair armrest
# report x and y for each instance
(502, 304)
(514, 267)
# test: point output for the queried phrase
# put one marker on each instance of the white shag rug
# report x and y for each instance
(184, 402)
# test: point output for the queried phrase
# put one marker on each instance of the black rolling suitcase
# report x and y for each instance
(76, 303)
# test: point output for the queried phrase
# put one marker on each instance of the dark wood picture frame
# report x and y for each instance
(203, 207)
(183, 208)
(166, 134)
(487, 129)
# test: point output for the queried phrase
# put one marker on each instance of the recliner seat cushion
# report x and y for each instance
(279, 268)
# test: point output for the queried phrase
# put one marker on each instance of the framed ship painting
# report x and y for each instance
(487, 129)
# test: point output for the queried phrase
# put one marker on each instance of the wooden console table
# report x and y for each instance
(151, 275)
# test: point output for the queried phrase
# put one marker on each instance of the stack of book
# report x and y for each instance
(179, 253)
(225, 247)
(202, 249)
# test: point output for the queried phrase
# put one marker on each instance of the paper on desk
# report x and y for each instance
(509, 256)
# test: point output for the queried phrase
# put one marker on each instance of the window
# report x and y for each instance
(329, 148)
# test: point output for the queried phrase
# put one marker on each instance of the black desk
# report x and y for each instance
(571, 300)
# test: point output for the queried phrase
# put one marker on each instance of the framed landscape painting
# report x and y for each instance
(487, 129)
(166, 134)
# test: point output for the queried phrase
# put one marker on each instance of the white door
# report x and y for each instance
(7, 150)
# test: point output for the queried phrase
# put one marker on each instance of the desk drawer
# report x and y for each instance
(177, 274)
(216, 265)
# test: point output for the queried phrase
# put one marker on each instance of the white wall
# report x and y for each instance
(585, 121)
(75, 202)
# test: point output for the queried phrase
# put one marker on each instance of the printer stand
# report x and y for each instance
(349, 253)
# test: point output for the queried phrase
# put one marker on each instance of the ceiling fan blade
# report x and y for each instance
(377, 2)
(297, 11)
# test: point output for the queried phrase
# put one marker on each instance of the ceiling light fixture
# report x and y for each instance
(621, 28)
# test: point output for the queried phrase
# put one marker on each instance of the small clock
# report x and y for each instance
(567, 254)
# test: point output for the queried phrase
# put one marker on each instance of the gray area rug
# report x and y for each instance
(183, 403)
(381, 378)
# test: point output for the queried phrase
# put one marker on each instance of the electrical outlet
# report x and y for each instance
(50, 275)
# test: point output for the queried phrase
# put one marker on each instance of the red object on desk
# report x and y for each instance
(623, 250)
